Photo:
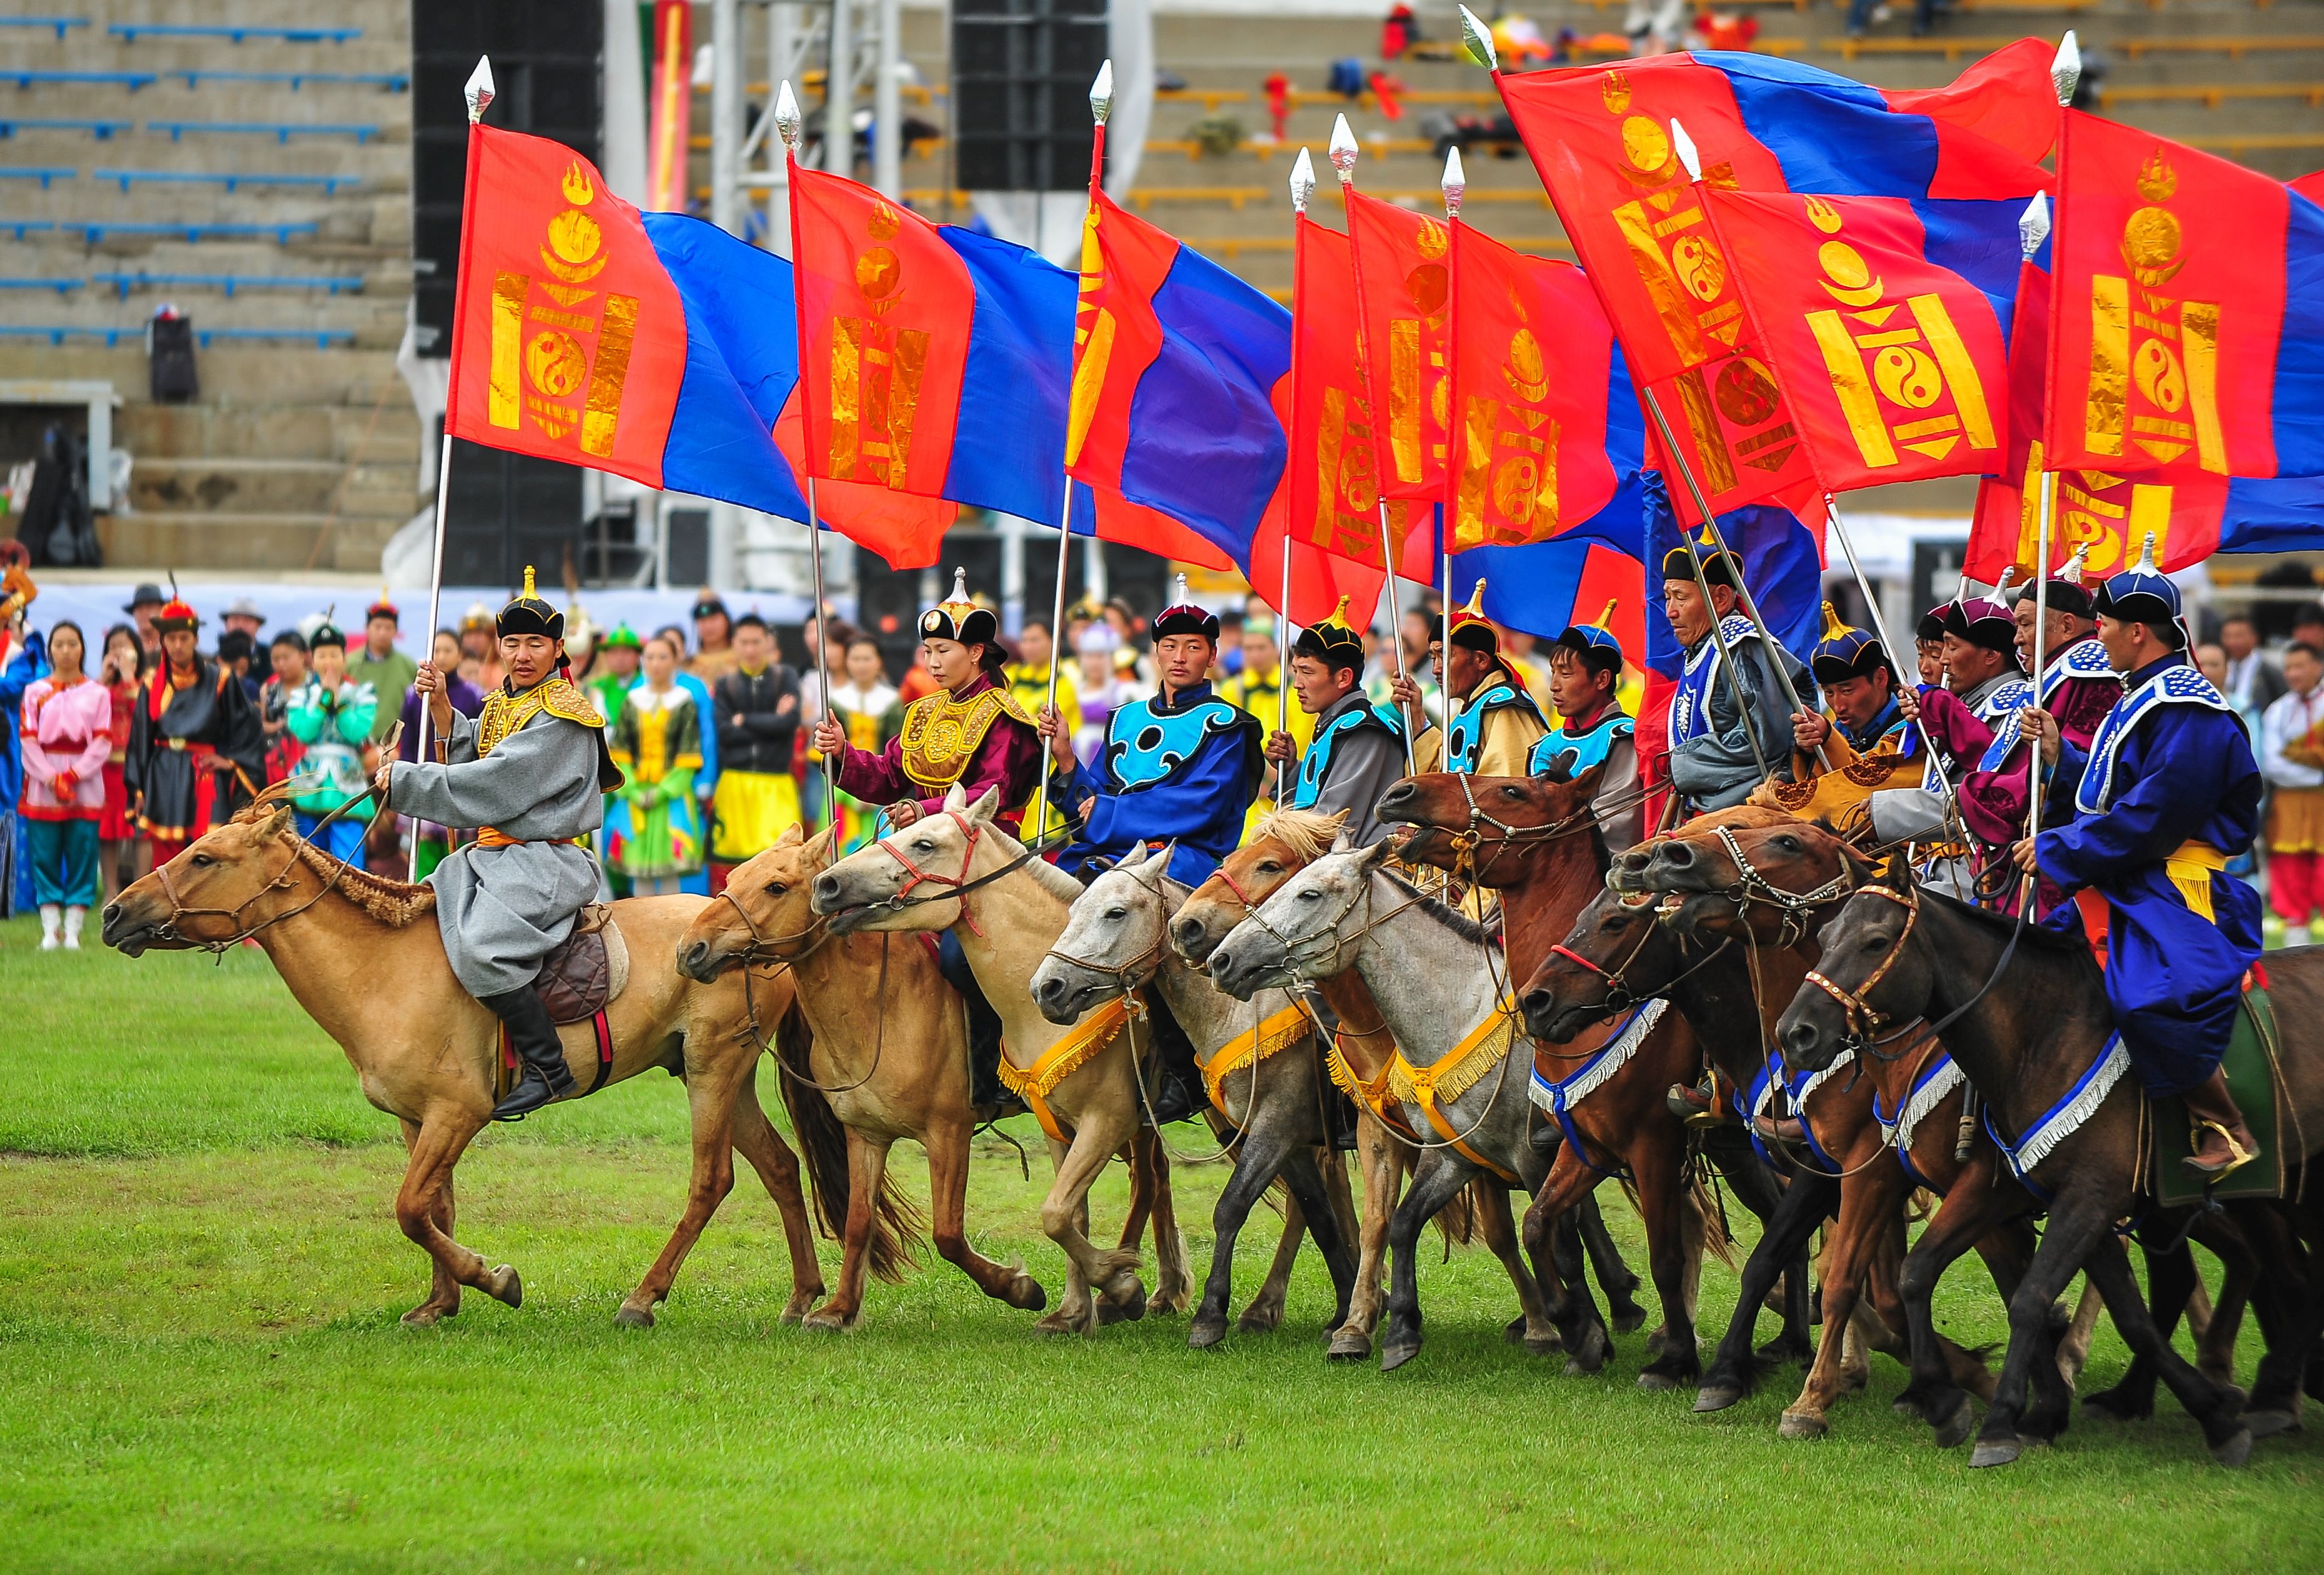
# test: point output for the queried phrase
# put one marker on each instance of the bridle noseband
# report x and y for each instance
(961, 884)
(1865, 1019)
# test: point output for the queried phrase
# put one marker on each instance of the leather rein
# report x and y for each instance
(169, 932)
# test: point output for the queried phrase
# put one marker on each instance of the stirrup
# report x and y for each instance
(2237, 1156)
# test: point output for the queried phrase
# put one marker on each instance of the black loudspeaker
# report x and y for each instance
(505, 510)
(1021, 71)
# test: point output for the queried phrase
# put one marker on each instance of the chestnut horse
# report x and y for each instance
(889, 1059)
(363, 955)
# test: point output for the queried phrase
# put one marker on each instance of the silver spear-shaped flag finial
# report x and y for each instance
(1303, 181)
(2066, 68)
(1455, 182)
(1344, 150)
(2034, 226)
(479, 91)
(787, 123)
(1480, 40)
(1102, 94)
(1688, 154)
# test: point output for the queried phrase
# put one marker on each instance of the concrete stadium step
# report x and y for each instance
(245, 541)
(312, 432)
(252, 374)
(216, 484)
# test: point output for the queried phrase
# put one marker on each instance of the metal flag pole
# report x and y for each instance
(1342, 154)
(1880, 627)
(1100, 103)
(479, 93)
(1454, 184)
(789, 125)
(1303, 187)
(2033, 230)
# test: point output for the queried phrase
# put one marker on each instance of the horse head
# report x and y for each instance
(1299, 932)
(1113, 938)
(766, 913)
(1615, 957)
(229, 882)
(1876, 969)
(1752, 874)
(901, 881)
(1490, 828)
(1280, 846)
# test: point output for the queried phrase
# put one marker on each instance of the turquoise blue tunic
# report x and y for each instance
(1185, 772)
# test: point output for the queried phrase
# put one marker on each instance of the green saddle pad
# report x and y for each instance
(2255, 1083)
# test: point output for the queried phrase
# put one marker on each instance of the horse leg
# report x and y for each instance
(436, 1148)
(1614, 1276)
(1073, 1310)
(1265, 1312)
(2291, 1316)
(1263, 1154)
(2074, 1346)
(1580, 1332)
(1523, 1264)
(1656, 1160)
(756, 1140)
(948, 1146)
(1869, 1201)
(867, 1171)
(2073, 1231)
(1436, 1181)
(1756, 1188)
(2218, 1410)
(443, 1290)
(2171, 1280)
(1973, 1207)
(710, 1093)
(1111, 1275)
(1311, 1195)
(1172, 1280)
(1384, 1162)
(1734, 1372)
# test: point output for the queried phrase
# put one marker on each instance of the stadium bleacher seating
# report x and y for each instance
(43, 173)
(101, 129)
(281, 131)
(232, 180)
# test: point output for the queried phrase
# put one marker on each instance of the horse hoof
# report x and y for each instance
(1995, 1452)
(1394, 1355)
(1590, 1360)
(1514, 1330)
(2112, 1403)
(1953, 1430)
(630, 1317)
(2268, 1424)
(1128, 1308)
(2234, 1451)
(1631, 1317)
(1654, 1383)
(424, 1317)
(1025, 1295)
(1349, 1345)
(1058, 1322)
(824, 1321)
(1716, 1397)
(1802, 1425)
(1784, 1350)
(503, 1286)
(1543, 1345)
(1206, 1332)
(1258, 1319)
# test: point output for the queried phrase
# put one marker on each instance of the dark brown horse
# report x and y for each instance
(2027, 1015)
(1514, 834)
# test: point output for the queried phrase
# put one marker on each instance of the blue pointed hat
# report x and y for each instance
(1845, 652)
(2141, 593)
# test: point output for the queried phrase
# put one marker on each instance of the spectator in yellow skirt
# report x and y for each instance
(757, 706)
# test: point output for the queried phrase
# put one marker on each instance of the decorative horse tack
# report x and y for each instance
(1864, 1018)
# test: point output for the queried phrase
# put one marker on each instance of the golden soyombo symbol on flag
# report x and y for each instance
(876, 367)
(2154, 358)
(561, 346)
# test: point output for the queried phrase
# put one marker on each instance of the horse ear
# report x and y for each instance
(1343, 844)
(1556, 771)
(819, 847)
(1587, 782)
(1339, 819)
(1157, 864)
(1132, 860)
(987, 805)
(956, 797)
(793, 835)
(276, 823)
(1374, 856)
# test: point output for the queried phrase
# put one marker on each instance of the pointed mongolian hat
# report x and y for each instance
(1333, 640)
(2141, 593)
(1719, 568)
(1183, 617)
(527, 613)
(1846, 652)
(958, 618)
(1595, 643)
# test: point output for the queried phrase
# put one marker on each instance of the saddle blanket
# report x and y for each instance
(2255, 1080)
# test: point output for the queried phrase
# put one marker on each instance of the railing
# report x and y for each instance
(101, 129)
(231, 179)
(131, 31)
(281, 131)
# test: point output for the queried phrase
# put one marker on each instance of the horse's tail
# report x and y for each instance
(898, 1227)
(1458, 1218)
(1708, 1219)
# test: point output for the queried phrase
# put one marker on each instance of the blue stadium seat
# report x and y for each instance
(59, 22)
(101, 129)
(94, 230)
(130, 32)
(122, 283)
(58, 333)
(323, 337)
(281, 131)
(132, 80)
(34, 282)
(43, 173)
(232, 180)
(391, 82)
(18, 228)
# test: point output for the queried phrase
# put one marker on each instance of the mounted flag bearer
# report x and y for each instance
(529, 773)
(1719, 751)
(970, 733)
(1357, 750)
(1585, 673)
(1497, 722)
(2165, 794)
(1861, 740)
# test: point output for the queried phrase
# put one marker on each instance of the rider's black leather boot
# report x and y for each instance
(545, 1075)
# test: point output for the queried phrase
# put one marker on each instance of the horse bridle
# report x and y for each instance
(764, 946)
(1750, 886)
(1619, 996)
(1865, 1019)
(1466, 841)
(168, 931)
(961, 884)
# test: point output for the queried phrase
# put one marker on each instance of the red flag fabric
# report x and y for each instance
(570, 339)
(673, 104)
(2168, 306)
(1403, 282)
(1527, 396)
(1896, 366)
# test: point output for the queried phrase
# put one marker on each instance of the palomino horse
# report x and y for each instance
(1007, 907)
(890, 1060)
(1279, 847)
(363, 955)
(1618, 954)
(1536, 841)
(1117, 942)
(2024, 1012)
(1434, 975)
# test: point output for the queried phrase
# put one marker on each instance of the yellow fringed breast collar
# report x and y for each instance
(941, 735)
(1454, 1074)
(504, 713)
(1285, 1028)
(1035, 1084)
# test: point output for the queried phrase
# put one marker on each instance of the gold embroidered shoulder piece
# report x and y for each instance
(504, 713)
(941, 735)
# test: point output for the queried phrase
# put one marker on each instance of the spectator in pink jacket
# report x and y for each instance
(67, 737)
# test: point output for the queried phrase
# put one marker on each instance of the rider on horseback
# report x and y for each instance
(1497, 723)
(970, 733)
(526, 773)
(1358, 749)
(2148, 816)
(1720, 751)
(1585, 677)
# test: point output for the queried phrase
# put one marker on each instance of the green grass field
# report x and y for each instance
(201, 1366)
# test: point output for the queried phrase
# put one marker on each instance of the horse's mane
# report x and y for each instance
(2065, 944)
(393, 903)
(1450, 918)
(1305, 834)
(1053, 880)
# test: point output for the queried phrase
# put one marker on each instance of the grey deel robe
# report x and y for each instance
(503, 910)
(1363, 765)
(1716, 770)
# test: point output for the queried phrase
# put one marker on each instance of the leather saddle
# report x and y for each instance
(587, 971)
